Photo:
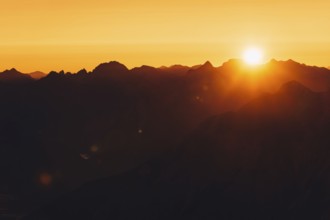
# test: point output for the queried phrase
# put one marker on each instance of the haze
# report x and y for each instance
(70, 35)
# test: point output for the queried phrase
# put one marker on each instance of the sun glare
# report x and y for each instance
(253, 56)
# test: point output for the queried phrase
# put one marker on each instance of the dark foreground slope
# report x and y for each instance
(67, 129)
(267, 160)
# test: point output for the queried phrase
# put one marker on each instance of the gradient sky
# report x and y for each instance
(73, 34)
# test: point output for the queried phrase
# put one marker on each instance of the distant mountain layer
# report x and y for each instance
(37, 75)
(267, 77)
(13, 75)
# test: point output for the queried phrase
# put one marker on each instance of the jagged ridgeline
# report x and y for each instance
(179, 142)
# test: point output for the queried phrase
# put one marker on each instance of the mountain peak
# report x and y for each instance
(292, 61)
(289, 63)
(206, 66)
(144, 69)
(110, 67)
(37, 74)
(11, 71)
(82, 72)
(294, 88)
(14, 75)
(233, 63)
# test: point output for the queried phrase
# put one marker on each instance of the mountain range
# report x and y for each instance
(13, 75)
(202, 142)
(311, 76)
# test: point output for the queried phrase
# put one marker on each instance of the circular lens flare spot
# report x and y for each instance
(45, 179)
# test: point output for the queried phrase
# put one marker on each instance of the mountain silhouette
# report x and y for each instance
(294, 87)
(144, 69)
(37, 75)
(110, 70)
(178, 142)
(206, 66)
(178, 69)
(13, 75)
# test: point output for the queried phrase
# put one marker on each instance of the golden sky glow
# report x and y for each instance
(71, 34)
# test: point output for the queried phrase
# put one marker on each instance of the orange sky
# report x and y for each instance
(71, 34)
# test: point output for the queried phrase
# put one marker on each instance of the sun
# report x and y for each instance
(253, 56)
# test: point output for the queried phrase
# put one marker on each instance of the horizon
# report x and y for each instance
(71, 34)
(166, 66)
